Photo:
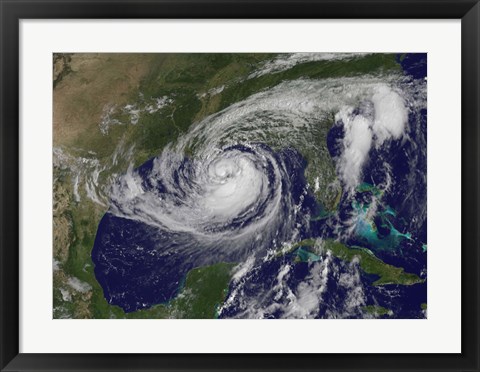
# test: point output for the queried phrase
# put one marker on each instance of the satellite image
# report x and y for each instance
(235, 185)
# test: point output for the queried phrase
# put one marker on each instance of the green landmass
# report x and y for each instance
(205, 288)
(423, 306)
(376, 310)
(368, 262)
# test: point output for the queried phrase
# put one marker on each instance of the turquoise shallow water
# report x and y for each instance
(305, 255)
(366, 228)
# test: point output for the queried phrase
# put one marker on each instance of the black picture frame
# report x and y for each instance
(14, 10)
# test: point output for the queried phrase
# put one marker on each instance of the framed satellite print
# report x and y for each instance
(239, 186)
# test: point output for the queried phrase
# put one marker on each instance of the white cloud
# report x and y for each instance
(390, 115)
(78, 285)
(357, 143)
(372, 126)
